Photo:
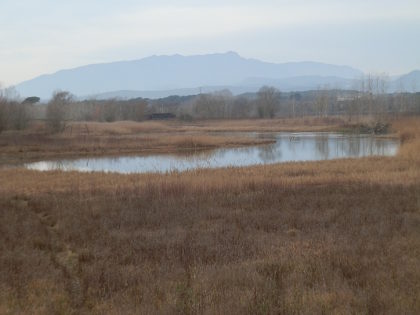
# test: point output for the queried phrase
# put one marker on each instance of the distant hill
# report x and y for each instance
(171, 73)
(409, 82)
(251, 85)
(303, 83)
(131, 94)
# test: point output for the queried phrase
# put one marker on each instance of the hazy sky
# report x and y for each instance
(43, 36)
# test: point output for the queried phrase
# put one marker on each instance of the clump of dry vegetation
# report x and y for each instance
(297, 238)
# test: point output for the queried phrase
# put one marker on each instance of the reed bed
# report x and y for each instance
(24, 148)
(128, 137)
(296, 238)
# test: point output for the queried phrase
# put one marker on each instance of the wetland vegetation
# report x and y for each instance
(338, 236)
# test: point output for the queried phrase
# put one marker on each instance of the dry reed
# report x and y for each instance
(297, 238)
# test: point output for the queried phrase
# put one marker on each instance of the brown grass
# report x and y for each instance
(297, 238)
(110, 139)
(267, 125)
(127, 137)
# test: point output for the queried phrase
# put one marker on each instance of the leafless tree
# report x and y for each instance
(3, 112)
(294, 97)
(268, 101)
(213, 105)
(19, 115)
(56, 110)
(242, 107)
(322, 101)
(13, 113)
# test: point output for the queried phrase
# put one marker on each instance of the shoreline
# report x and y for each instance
(130, 138)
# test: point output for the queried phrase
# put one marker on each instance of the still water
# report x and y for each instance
(287, 147)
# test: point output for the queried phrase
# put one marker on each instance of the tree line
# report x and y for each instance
(369, 98)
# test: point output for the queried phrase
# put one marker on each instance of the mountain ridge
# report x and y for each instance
(171, 72)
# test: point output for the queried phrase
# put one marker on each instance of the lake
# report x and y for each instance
(287, 147)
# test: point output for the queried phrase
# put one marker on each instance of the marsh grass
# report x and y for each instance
(296, 238)
(128, 137)
(25, 148)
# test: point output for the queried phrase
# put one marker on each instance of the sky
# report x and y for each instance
(44, 36)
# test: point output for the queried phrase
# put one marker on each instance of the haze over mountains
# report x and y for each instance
(160, 76)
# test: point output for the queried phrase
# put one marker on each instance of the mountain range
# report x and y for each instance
(161, 76)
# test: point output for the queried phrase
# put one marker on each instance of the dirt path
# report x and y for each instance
(64, 259)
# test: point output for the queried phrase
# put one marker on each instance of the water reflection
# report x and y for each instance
(321, 144)
(288, 147)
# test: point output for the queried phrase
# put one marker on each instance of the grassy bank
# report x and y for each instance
(23, 147)
(297, 238)
(96, 139)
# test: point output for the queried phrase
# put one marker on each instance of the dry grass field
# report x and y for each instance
(338, 237)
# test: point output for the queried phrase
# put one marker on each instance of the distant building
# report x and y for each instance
(345, 98)
(161, 116)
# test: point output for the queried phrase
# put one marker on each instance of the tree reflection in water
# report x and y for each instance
(303, 147)
(322, 147)
(269, 153)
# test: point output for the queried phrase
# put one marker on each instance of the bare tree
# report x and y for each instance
(322, 101)
(3, 112)
(294, 97)
(203, 106)
(11, 93)
(56, 110)
(110, 110)
(13, 113)
(214, 105)
(19, 115)
(268, 101)
(242, 108)
(374, 94)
